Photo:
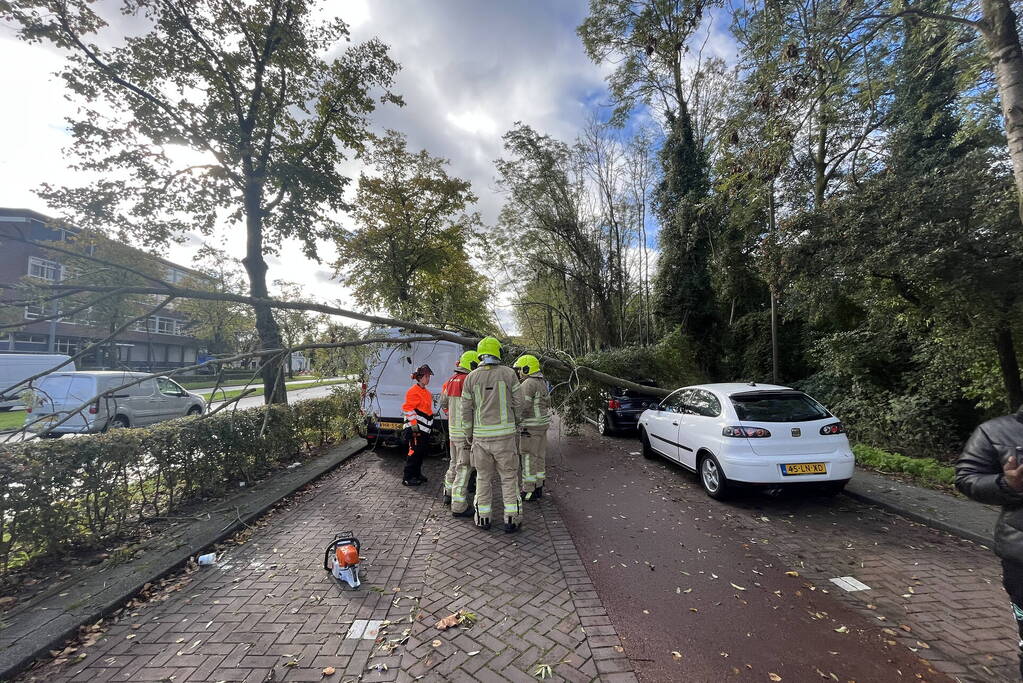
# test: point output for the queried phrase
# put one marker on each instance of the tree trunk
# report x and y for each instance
(774, 336)
(1009, 364)
(1002, 38)
(266, 325)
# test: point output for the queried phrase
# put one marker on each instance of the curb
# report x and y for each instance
(983, 539)
(46, 622)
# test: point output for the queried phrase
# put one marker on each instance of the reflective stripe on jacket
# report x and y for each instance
(536, 402)
(418, 408)
(451, 402)
(491, 402)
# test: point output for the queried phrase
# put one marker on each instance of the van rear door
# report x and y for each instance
(59, 393)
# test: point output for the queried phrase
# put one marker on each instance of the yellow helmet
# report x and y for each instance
(528, 364)
(469, 360)
(489, 346)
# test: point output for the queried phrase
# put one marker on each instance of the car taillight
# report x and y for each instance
(746, 432)
(94, 408)
(833, 428)
(28, 408)
(614, 405)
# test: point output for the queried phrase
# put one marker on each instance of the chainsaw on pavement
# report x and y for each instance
(341, 559)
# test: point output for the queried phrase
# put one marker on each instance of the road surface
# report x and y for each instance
(681, 573)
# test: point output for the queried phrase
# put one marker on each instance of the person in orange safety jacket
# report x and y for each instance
(418, 413)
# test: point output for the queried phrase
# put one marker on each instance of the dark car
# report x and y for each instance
(622, 408)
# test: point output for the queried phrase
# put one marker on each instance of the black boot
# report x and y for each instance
(467, 512)
(411, 482)
(538, 493)
(511, 527)
(447, 499)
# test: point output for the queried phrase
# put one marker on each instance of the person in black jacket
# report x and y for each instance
(990, 470)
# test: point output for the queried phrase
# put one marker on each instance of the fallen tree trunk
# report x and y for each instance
(580, 371)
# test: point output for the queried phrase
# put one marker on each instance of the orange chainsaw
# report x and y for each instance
(341, 559)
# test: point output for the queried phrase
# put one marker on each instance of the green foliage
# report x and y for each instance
(671, 363)
(409, 253)
(925, 470)
(68, 494)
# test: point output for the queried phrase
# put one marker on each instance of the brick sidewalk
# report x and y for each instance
(269, 612)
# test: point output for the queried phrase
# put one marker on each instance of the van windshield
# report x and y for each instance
(778, 407)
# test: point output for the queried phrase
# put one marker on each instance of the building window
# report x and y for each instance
(34, 312)
(66, 345)
(30, 338)
(43, 269)
(175, 276)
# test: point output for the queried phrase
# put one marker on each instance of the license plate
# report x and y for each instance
(390, 425)
(805, 468)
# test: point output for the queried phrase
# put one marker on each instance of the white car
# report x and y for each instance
(749, 434)
(148, 402)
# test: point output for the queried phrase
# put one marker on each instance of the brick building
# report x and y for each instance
(162, 342)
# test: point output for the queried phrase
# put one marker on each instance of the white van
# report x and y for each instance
(387, 377)
(148, 402)
(17, 367)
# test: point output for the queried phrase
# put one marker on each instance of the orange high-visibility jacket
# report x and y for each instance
(418, 408)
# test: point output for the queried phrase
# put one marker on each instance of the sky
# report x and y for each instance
(470, 70)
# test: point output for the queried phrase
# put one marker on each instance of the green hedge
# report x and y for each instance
(71, 494)
(928, 470)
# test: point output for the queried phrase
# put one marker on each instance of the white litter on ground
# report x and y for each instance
(850, 584)
(364, 629)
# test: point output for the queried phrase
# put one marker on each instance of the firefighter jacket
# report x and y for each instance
(451, 402)
(491, 402)
(536, 402)
(418, 408)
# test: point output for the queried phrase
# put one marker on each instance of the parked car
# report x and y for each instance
(621, 409)
(17, 367)
(148, 402)
(387, 377)
(749, 435)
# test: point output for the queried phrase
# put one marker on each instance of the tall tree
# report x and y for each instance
(256, 96)
(409, 250)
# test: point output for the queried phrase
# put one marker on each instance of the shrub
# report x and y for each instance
(928, 470)
(57, 495)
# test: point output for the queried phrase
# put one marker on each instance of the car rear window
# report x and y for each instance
(66, 388)
(778, 407)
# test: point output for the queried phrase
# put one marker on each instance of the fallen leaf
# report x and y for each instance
(841, 629)
(738, 588)
(774, 677)
(676, 655)
(923, 645)
(447, 622)
(329, 671)
(130, 636)
(473, 653)
(789, 574)
(436, 643)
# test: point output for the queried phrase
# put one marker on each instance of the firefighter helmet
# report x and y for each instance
(529, 365)
(489, 346)
(469, 360)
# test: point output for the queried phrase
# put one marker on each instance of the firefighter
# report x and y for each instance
(491, 409)
(450, 402)
(418, 412)
(536, 418)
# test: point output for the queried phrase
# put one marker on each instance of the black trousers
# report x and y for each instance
(1012, 579)
(414, 462)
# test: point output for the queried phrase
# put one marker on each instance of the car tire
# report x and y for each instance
(712, 478)
(51, 435)
(648, 451)
(118, 422)
(833, 488)
(605, 425)
(194, 410)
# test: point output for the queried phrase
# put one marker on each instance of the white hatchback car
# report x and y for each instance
(749, 434)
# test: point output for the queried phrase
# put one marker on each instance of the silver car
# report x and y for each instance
(150, 401)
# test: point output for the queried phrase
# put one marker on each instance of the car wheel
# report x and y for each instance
(712, 478)
(194, 410)
(51, 435)
(833, 488)
(118, 422)
(648, 452)
(605, 427)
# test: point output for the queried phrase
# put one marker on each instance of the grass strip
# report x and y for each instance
(926, 471)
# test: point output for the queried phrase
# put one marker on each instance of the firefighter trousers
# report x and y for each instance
(533, 447)
(462, 457)
(497, 456)
(449, 476)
